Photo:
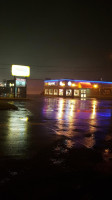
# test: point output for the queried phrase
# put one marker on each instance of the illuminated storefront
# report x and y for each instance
(78, 88)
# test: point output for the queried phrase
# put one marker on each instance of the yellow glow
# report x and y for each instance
(107, 151)
(95, 86)
(60, 111)
(20, 70)
(73, 84)
(24, 119)
(79, 85)
(62, 84)
(94, 111)
(72, 109)
(11, 84)
(94, 104)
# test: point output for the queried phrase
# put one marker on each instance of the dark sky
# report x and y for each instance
(57, 40)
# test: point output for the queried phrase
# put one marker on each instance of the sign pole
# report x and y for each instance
(14, 86)
(26, 88)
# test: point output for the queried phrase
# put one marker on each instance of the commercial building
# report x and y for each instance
(78, 88)
(35, 86)
(23, 87)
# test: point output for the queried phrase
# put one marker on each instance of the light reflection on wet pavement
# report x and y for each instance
(14, 128)
(83, 123)
(83, 131)
(76, 118)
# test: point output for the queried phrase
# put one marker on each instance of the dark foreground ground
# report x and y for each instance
(56, 149)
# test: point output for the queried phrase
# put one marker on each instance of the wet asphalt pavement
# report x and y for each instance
(56, 148)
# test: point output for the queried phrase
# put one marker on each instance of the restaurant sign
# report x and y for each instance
(20, 70)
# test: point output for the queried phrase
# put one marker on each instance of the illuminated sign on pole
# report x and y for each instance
(20, 82)
(20, 70)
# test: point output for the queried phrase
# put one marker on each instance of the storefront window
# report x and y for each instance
(83, 95)
(60, 92)
(46, 91)
(76, 92)
(68, 92)
(55, 91)
(83, 91)
(50, 91)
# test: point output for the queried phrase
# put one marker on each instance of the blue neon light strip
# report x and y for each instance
(78, 81)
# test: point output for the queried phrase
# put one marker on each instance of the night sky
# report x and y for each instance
(57, 40)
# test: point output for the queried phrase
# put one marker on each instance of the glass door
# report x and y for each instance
(83, 93)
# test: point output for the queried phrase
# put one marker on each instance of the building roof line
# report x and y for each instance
(78, 81)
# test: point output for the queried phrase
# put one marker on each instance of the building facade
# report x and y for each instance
(23, 87)
(35, 86)
(78, 88)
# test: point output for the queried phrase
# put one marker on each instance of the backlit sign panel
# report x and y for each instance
(51, 83)
(20, 70)
(20, 82)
